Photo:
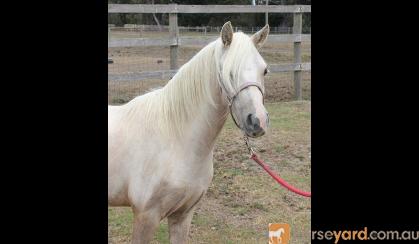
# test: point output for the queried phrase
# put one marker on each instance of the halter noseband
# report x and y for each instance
(240, 88)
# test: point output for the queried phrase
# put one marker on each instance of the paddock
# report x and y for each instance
(242, 198)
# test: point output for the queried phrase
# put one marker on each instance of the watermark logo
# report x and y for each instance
(364, 234)
(279, 233)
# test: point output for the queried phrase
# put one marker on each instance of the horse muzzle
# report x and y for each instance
(253, 126)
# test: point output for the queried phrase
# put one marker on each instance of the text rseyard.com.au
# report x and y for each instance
(364, 234)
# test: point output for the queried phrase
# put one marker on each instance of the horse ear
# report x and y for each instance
(227, 34)
(260, 37)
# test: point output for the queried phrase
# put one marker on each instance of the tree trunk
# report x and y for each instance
(155, 18)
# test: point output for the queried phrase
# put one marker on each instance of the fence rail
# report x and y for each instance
(174, 39)
(167, 74)
(203, 29)
(194, 9)
(196, 40)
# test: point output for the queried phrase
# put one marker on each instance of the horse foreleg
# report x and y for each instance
(145, 224)
(180, 222)
(179, 225)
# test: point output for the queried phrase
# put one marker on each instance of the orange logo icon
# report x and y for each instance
(279, 233)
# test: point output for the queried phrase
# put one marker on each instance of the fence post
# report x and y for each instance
(266, 13)
(296, 29)
(174, 35)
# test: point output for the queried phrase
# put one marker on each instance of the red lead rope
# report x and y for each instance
(277, 178)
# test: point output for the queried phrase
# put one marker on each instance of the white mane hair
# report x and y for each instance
(168, 109)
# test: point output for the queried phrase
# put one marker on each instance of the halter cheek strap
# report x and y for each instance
(241, 88)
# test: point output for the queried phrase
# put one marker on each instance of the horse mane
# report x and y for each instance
(170, 108)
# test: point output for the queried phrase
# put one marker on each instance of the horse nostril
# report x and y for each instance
(253, 122)
(249, 119)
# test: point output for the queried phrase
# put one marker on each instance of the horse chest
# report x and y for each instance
(171, 189)
(169, 199)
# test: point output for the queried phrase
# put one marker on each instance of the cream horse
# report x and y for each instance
(160, 145)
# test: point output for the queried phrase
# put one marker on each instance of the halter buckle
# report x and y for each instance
(249, 147)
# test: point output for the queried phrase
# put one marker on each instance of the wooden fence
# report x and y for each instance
(174, 40)
(203, 29)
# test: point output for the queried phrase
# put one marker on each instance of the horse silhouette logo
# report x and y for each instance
(279, 233)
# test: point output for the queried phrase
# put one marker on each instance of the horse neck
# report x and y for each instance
(207, 125)
(208, 115)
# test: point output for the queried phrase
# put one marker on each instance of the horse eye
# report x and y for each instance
(266, 71)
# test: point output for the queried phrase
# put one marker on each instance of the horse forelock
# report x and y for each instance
(238, 51)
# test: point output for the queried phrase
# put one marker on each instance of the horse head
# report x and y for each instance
(241, 76)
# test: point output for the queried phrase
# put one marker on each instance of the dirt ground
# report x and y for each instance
(136, 59)
(278, 86)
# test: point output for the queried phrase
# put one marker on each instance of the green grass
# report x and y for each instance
(162, 234)
(242, 199)
(287, 117)
(119, 224)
